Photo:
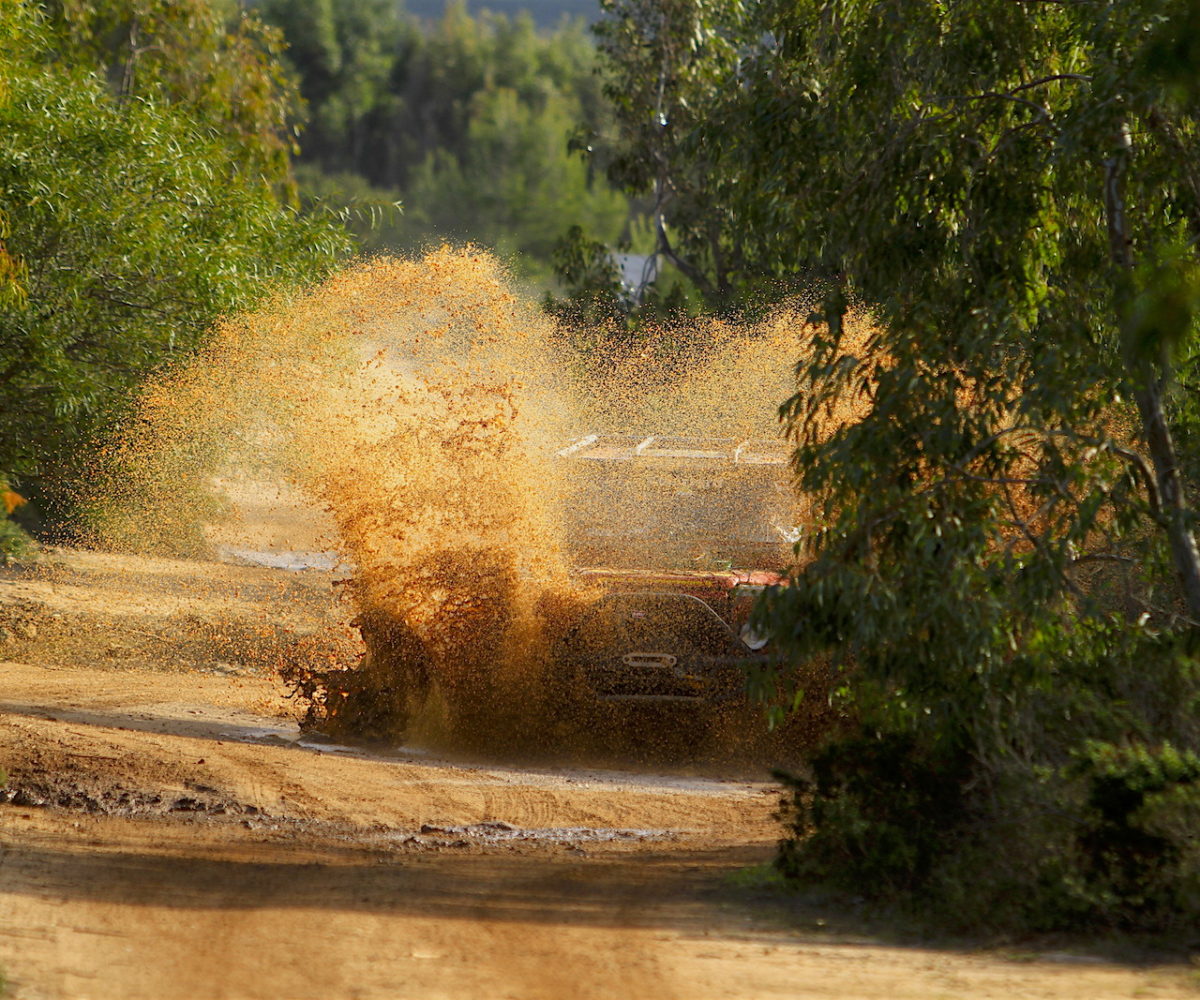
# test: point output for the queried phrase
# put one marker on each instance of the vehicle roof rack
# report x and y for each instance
(670, 447)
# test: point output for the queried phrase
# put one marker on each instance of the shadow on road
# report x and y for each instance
(678, 891)
(659, 768)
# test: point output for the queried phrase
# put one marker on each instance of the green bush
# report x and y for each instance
(1138, 854)
(131, 220)
(1051, 801)
(15, 543)
(876, 812)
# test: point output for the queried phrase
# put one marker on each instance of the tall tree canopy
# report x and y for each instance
(998, 203)
(142, 183)
(1010, 190)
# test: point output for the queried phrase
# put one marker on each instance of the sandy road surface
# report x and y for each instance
(168, 836)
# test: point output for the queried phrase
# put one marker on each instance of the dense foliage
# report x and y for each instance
(465, 120)
(682, 76)
(545, 13)
(1008, 566)
(1000, 433)
(143, 181)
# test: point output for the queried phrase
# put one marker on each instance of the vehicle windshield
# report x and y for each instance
(675, 623)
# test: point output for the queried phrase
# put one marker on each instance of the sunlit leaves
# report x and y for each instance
(1010, 190)
(136, 224)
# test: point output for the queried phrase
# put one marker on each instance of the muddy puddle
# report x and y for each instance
(296, 562)
(492, 834)
(587, 771)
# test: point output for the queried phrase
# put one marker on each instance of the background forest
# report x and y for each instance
(463, 119)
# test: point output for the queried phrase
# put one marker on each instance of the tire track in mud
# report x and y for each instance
(114, 763)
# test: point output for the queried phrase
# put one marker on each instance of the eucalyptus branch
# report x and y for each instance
(1139, 464)
(1037, 541)
(150, 307)
(1176, 512)
(1003, 139)
(1145, 475)
(693, 273)
(1000, 95)
(1173, 617)
(990, 440)
(972, 477)
(1084, 77)
(1088, 557)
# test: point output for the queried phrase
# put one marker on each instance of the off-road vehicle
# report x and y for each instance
(679, 535)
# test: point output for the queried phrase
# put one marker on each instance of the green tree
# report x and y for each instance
(1009, 188)
(465, 120)
(131, 224)
(344, 55)
(998, 204)
(666, 63)
(516, 184)
(210, 59)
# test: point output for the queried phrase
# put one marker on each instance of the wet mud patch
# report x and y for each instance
(169, 615)
(97, 797)
(490, 834)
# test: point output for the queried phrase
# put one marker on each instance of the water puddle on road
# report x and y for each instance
(296, 562)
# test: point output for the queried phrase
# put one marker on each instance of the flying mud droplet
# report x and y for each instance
(416, 417)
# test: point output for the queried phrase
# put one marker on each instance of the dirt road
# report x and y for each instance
(169, 835)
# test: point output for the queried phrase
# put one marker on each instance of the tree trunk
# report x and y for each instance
(1175, 516)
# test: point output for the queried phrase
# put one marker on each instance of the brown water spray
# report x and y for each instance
(418, 404)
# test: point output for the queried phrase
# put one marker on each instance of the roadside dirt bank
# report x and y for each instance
(167, 835)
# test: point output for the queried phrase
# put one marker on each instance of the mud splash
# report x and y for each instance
(409, 414)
